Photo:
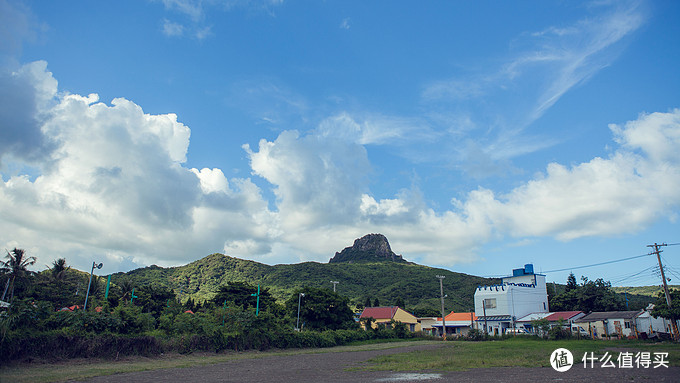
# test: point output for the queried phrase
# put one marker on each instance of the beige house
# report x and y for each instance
(427, 325)
(609, 324)
(391, 313)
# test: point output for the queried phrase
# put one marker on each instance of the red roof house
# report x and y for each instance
(568, 316)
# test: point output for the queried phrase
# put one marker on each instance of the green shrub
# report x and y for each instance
(133, 320)
(558, 332)
(399, 329)
(58, 345)
(475, 335)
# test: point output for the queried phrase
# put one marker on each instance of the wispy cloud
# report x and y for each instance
(454, 90)
(203, 33)
(198, 12)
(191, 8)
(270, 101)
(578, 52)
(375, 129)
(172, 29)
(503, 102)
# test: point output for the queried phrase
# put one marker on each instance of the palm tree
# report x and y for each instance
(15, 267)
(126, 286)
(59, 269)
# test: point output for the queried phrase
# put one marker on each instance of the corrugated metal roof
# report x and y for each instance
(602, 315)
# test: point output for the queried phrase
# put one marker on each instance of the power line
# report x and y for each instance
(670, 269)
(597, 264)
(593, 265)
(636, 276)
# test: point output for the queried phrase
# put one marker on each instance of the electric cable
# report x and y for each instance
(597, 264)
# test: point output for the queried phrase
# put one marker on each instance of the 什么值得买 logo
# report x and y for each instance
(561, 360)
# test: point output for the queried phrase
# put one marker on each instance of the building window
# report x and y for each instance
(544, 307)
(413, 328)
(627, 324)
(490, 303)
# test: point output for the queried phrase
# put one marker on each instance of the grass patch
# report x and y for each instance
(79, 369)
(381, 341)
(516, 352)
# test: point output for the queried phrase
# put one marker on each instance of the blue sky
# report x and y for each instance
(476, 136)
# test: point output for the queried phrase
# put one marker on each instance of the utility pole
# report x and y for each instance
(665, 284)
(334, 283)
(441, 291)
(486, 328)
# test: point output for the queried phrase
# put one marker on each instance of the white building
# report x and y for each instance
(498, 307)
(646, 323)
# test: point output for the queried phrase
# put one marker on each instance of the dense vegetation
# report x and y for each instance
(640, 297)
(597, 295)
(662, 309)
(220, 302)
(150, 319)
(588, 296)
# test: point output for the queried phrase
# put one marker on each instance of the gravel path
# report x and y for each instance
(341, 367)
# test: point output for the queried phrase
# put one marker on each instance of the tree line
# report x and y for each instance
(591, 296)
(46, 315)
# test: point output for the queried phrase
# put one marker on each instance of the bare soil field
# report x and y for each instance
(346, 366)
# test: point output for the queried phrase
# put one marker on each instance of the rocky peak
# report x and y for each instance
(369, 248)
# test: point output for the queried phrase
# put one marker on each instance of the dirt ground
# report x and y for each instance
(346, 367)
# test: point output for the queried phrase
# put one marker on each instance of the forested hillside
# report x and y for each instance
(385, 281)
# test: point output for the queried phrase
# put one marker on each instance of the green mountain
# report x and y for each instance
(640, 297)
(367, 270)
(650, 291)
(362, 274)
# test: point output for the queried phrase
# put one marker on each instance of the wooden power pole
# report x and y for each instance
(665, 284)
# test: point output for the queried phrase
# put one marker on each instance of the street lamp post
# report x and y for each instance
(87, 295)
(334, 283)
(298, 318)
(441, 291)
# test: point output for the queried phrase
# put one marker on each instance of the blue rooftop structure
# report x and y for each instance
(527, 270)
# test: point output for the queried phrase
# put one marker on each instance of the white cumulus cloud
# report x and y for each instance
(636, 185)
(322, 195)
(115, 187)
